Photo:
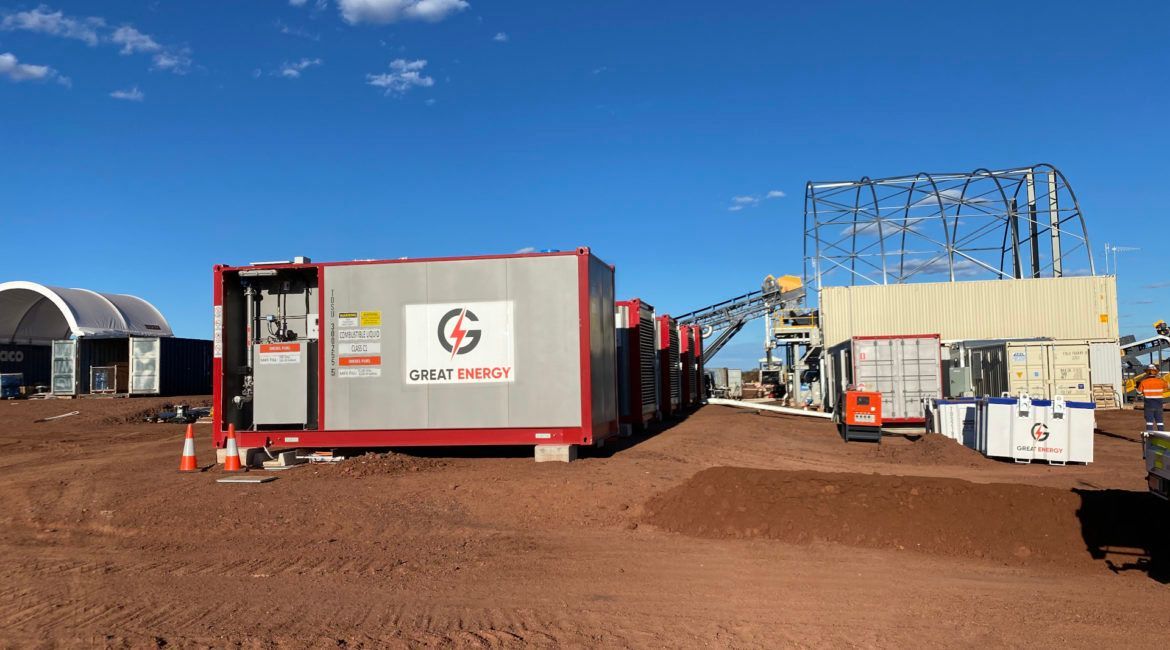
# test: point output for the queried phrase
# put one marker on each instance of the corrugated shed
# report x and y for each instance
(1061, 308)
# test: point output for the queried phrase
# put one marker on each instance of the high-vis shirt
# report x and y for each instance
(1153, 387)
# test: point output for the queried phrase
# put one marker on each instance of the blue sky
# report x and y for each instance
(141, 143)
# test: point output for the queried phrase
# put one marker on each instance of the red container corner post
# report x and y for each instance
(490, 350)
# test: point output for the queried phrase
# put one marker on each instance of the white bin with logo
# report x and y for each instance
(1023, 429)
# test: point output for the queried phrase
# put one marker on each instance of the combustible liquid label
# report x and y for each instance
(359, 335)
(280, 353)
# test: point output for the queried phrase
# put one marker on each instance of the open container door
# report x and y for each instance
(144, 365)
(64, 377)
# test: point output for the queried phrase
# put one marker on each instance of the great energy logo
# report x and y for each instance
(1040, 432)
(459, 343)
(453, 340)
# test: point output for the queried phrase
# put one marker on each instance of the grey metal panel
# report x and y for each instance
(480, 405)
(384, 402)
(282, 389)
(546, 390)
(603, 344)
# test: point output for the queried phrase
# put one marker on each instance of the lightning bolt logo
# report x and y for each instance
(458, 333)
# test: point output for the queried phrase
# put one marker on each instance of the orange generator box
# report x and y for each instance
(861, 416)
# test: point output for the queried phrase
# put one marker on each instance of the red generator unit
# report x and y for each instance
(686, 356)
(700, 375)
(492, 350)
(637, 375)
(669, 375)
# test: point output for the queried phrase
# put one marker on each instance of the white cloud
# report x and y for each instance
(500, 37)
(95, 31)
(745, 200)
(391, 11)
(526, 250)
(735, 208)
(297, 31)
(297, 3)
(176, 61)
(403, 76)
(12, 69)
(293, 70)
(775, 194)
(130, 94)
(42, 20)
(133, 40)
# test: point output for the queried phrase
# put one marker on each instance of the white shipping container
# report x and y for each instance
(1083, 308)
(1038, 368)
(905, 369)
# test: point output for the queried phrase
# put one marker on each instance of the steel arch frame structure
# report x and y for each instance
(952, 226)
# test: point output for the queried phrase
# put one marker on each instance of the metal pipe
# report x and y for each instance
(767, 407)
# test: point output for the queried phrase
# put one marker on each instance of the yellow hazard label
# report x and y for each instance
(1104, 318)
(370, 318)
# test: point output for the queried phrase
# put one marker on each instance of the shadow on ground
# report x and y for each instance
(1129, 531)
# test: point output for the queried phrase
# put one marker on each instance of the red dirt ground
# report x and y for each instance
(103, 544)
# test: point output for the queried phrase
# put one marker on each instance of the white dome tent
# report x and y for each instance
(35, 314)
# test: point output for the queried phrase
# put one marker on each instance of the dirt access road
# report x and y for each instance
(729, 529)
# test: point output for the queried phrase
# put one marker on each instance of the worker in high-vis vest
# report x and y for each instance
(1153, 388)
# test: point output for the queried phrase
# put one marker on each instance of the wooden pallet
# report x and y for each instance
(1105, 397)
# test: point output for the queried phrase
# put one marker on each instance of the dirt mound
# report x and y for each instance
(929, 449)
(378, 464)
(137, 411)
(1013, 524)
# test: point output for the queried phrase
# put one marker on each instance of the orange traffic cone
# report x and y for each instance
(231, 463)
(187, 462)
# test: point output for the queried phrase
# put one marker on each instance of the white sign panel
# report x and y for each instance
(359, 348)
(360, 335)
(217, 332)
(276, 354)
(459, 343)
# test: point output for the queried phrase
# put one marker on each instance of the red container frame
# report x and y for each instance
(588, 433)
(667, 407)
(637, 417)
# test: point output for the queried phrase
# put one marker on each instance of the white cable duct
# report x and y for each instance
(768, 407)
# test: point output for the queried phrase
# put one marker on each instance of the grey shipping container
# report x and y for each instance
(905, 369)
(32, 361)
(493, 350)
